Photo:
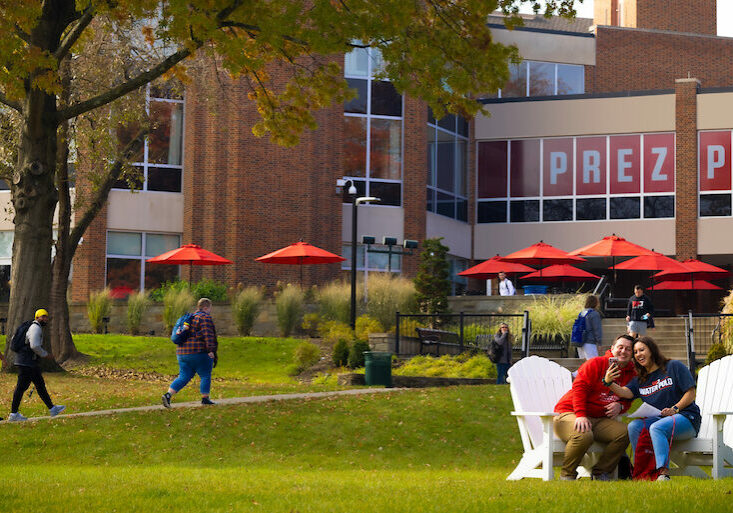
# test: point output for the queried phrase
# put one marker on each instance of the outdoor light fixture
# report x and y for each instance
(410, 244)
(368, 239)
(389, 241)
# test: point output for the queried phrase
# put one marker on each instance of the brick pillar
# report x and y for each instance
(686, 168)
(414, 178)
(89, 264)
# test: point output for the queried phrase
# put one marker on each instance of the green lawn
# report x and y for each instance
(441, 450)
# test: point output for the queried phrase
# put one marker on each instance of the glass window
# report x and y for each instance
(6, 244)
(462, 209)
(389, 192)
(359, 104)
(524, 211)
(159, 243)
(123, 276)
(156, 275)
(166, 133)
(346, 253)
(446, 161)
(448, 122)
(4, 186)
(386, 101)
(446, 204)
(386, 149)
(625, 208)
(356, 62)
(557, 210)
(462, 126)
(355, 139)
(570, 79)
(541, 79)
(658, 206)
(432, 151)
(517, 83)
(360, 191)
(715, 205)
(590, 209)
(134, 178)
(124, 243)
(430, 200)
(491, 212)
(164, 179)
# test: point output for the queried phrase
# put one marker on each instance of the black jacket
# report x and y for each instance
(639, 306)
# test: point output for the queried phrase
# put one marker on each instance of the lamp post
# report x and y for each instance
(356, 203)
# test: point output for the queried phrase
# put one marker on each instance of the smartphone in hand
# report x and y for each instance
(613, 360)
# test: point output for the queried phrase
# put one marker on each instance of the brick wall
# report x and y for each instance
(696, 16)
(686, 168)
(414, 178)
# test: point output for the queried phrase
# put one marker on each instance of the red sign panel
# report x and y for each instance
(625, 172)
(659, 163)
(590, 174)
(557, 167)
(525, 168)
(492, 169)
(714, 161)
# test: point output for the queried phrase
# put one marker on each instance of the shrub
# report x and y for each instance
(459, 366)
(716, 352)
(306, 355)
(311, 324)
(246, 305)
(176, 302)
(289, 306)
(211, 289)
(99, 307)
(366, 325)
(137, 304)
(432, 282)
(334, 301)
(726, 323)
(408, 325)
(387, 295)
(356, 354)
(340, 355)
(552, 315)
(332, 331)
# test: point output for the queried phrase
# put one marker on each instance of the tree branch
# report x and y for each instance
(73, 35)
(10, 103)
(117, 92)
(100, 198)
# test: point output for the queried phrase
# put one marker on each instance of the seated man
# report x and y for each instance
(587, 411)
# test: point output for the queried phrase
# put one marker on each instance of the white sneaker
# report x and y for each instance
(16, 417)
(55, 410)
(663, 477)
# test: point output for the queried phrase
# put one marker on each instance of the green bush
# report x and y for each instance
(137, 305)
(306, 355)
(211, 289)
(340, 355)
(716, 352)
(311, 324)
(554, 315)
(176, 302)
(334, 301)
(332, 331)
(387, 295)
(289, 306)
(246, 305)
(356, 354)
(366, 325)
(459, 366)
(408, 326)
(99, 307)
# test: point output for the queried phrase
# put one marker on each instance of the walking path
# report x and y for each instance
(231, 400)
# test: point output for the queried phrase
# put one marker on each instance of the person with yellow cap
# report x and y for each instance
(29, 370)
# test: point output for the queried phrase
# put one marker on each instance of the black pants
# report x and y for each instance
(26, 376)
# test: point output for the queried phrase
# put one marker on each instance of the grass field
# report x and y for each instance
(441, 450)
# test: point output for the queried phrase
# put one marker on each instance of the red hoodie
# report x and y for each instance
(589, 397)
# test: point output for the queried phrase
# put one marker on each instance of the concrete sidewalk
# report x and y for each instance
(231, 400)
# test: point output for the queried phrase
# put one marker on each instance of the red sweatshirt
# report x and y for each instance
(589, 397)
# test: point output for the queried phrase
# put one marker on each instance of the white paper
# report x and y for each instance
(645, 410)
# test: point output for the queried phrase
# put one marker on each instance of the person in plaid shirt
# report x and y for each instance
(197, 355)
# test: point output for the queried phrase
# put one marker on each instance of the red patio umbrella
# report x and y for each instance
(300, 253)
(697, 271)
(190, 254)
(492, 267)
(653, 262)
(562, 273)
(685, 285)
(541, 254)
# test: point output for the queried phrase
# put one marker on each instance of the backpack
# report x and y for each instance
(18, 344)
(645, 464)
(182, 329)
(495, 351)
(576, 335)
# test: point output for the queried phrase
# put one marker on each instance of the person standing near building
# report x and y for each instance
(29, 370)
(593, 332)
(506, 287)
(505, 340)
(639, 312)
(197, 355)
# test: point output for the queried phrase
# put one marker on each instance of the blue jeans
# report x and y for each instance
(190, 364)
(660, 430)
(501, 370)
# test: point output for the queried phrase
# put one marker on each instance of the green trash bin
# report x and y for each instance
(378, 368)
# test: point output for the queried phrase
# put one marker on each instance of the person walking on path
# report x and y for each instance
(29, 371)
(639, 312)
(197, 355)
(593, 332)
(506, 287)
(505, 340)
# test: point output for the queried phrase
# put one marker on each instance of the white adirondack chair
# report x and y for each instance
(536, 385)
(714, 443)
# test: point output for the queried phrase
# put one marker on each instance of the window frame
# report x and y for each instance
(433, 188)
(143, 249)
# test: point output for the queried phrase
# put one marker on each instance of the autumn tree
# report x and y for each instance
(58, 99)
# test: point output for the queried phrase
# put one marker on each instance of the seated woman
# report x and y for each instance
(668, 386)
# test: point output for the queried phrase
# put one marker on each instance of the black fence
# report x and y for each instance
(702, 331)
(455, 333)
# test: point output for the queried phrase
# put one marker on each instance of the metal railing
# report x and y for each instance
(702, 330)
(466, 325)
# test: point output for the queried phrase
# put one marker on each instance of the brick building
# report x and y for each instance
(616, 124)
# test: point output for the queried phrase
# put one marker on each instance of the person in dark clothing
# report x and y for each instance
(506, 340)
(639, 312)
(29, 370)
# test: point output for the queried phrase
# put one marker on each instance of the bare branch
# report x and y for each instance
(122, 89)
(73, 35)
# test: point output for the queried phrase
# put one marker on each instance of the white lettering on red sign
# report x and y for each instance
(623, 165)
(591, 163)
(661, 154)
(716, 159)
(558, 165)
